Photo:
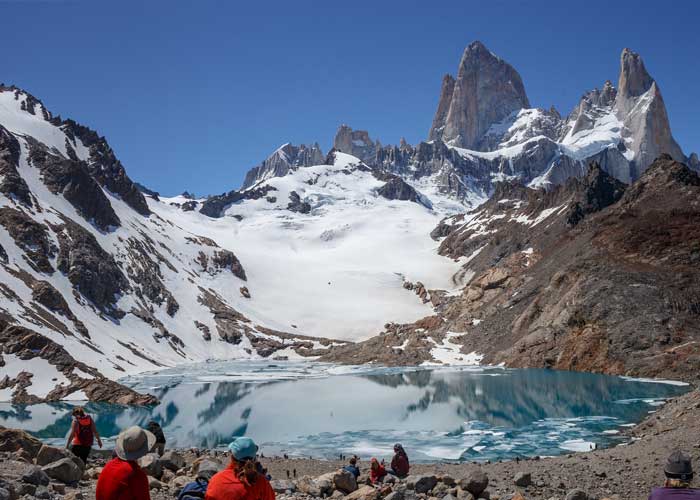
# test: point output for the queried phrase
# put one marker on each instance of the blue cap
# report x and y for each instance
(243, 447)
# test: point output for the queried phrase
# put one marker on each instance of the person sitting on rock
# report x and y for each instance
(399, 464)
(377, 472)
(155, 429)
(352, 467)
(241, 480)
(122, 478)
(82, 434)
(679, 475)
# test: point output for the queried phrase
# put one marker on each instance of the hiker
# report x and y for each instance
(399, 464)
(82, 434)
(377, 472)
(352, 467)
(198, 488)
(122, 478)
(155, 429)
(679, 475)
(241, 479)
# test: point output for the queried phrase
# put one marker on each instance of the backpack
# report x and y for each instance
(84, 434)
(196, 489)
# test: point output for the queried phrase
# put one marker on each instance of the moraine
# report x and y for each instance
(320, 410)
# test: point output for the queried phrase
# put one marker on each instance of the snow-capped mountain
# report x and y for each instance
(101, 277)
(100, 280)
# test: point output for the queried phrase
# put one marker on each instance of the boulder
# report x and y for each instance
(364, 493)
(74, 495)
(475, 483)
(394, 495)
(448, 480)
(49, 454)
(26, 489)
(167, 476)
(308, 485)
(421, 484)
(172, 460)
(344, 481)
(154, 484)
(93, 472)
(523, 479)
(64, 470)
(179, 482)
(36, 476)
(151, 465)
(42, 492)
(325, 484)
(577, 494)
(283, 486)
(16, 440)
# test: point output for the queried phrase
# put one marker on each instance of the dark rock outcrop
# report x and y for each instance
(72, 179)
(12, 184)
(215, 206)
(356, 143)
(398, 189)
(225, 259)
(596, 191)
(297, 205)
(92, 271)
(30, 236)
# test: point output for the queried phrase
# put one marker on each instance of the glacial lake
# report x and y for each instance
(319, 410)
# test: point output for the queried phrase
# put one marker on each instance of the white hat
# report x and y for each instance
(133, 443)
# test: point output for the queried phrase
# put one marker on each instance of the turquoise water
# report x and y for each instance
(319, 410)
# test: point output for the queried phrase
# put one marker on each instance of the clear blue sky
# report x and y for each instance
(192, 94)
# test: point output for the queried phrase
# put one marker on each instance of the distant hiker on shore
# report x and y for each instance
(155, 429)
(679, 475)
(377, 472)
(122, 478)
(399, 464)
(352, 467)
(241, 480)
(82, 434)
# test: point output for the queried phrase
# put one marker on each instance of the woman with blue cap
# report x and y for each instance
(242, 479)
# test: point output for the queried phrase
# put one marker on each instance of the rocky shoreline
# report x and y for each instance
(29, 469)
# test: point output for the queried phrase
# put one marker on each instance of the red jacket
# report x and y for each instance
(225, 485)
(376, 474)
(122, 480)
(83, 433)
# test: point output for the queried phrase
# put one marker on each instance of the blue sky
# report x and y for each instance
(192, 94)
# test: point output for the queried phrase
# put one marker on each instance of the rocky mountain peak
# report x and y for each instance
(283, 160)
(486, 91)
(356, 143)
(446, 91)
(634, 78)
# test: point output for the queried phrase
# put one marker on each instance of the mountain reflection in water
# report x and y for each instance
(304, 409)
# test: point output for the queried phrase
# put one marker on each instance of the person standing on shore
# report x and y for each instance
(82, 434)
(399, 464)
(155, 429)
(122, 478)
(242, 479)
(679, 475)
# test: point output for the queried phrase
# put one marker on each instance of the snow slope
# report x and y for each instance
(337, 271)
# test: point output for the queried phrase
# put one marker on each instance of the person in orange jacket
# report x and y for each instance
(122, 478)
(242, 479)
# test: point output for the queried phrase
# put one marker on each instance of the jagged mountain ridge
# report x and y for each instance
(484, 132)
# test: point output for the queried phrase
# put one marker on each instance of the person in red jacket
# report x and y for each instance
(377, 472)
(82, 434)
(399, 464)
(122, 478)
(242, 479)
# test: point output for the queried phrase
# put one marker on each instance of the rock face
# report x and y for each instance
(285, 159)
(356, 143)
(64, 470)
(398, 189)
(486, 90)
(641, 108)
(446, 91)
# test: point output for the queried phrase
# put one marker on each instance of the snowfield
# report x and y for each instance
(337, 271)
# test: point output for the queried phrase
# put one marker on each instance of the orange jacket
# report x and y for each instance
(225, 485)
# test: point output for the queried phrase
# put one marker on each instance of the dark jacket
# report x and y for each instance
(157, 431)
(399, 464)
(674, 494)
